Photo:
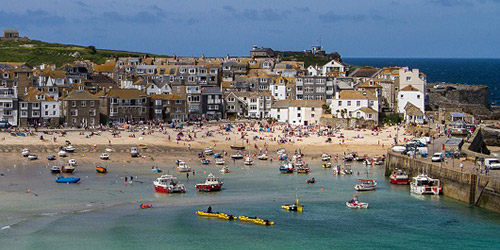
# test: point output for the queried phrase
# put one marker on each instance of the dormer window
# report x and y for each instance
(40, 97)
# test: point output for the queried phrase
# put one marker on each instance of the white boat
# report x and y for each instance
(109, 150)
(220, 161)
(168, 184)
(238, 155)
(365, 185)
(72, 162)
(69, 148)
(25, 152)
(209, 151)
(281, 151)
(248, 161)
(347, 170)
(423, 184)
(62, 153)
(355, 203)
(398, 149)
(225, 170)
(104, 156)
(326, 157)
(183, 167)
(32, 157)
(263, 157)
(179, 161)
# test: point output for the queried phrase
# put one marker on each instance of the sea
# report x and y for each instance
(102, 212)
(469, 71)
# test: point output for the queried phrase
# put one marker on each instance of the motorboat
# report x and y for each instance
(326, 157)
(61, 179)
(248, 161)
(212, 183)
(399, 177)
(349, 157)
(355, 203)
(183, 167)
(361, 158)
(51, 157)
(72, 162)
(237, 147)
(32, 157)
(205, 161)
(68, 168)
(69, 149)
(168, 184)
(225, 170)
(101, 170)
(263, 157)
(281, 151)
(311, 181)
(62, 153)
(347, 170)
(237, 156)
(287, 168)
(297, 207)
(134, 152)
(220, 161)
(217, 155)
(104, 156)
(303, 170)
(423, 184)
(365, 185)
(326, 165)
(55, 169)
(146, 206)
(209, 151)
(399, 149)
(25, 152)
(178, 162)
(156, 169)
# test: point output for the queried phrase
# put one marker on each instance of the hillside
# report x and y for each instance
(36, 52)
(308, 58)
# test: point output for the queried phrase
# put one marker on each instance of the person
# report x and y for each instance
(193, 172)
(209, 210)
(125, 179)
(131, 178)
(187, 175)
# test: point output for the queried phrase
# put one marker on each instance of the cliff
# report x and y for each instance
(473, 99)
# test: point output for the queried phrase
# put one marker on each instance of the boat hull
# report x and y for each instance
(208, 187)
(399, 181)
(162, 189)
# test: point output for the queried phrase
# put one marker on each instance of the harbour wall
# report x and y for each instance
(473, 188)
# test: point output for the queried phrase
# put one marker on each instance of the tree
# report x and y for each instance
(92, 49)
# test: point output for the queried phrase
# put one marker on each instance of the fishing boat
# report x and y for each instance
(423, 184)
(248, 161)
(156, 169)
(32, 157)
(311, 181)
(220, 161)
(237, 147)
(68, 169)
(237, 156)
(293, 207)
(72, 162)
(365, 185)
(205, 161)
(25, 152)
(55, 169)
(225, 170)
(326, 165)
(61, 179)
(134, 152)
(212, 183)
(109, 150)
(69, 149)
(101, 170)
(303, 170)
(51, 157)
(326, 157)
(178, 162)
(209, 151)
(104, 156)
(263, 157)
(62, 153)
(217, 155)
(355, 203)
(300, 163)
(368, 161)
(399, 177)
(287, 168)
(168, 184)
(183, 167)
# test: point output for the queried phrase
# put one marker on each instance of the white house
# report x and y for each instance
(355, 104)
(259, 105)
(297, 112)
(412, 77)
(330, 68)
(410, 94)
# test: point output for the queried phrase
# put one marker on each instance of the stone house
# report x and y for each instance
(81, 109)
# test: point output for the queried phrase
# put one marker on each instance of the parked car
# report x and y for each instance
(437, 157)
(492, 163)
(438, 86)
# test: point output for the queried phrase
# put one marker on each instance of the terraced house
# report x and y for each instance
(81, 109)
(126, 105)
(168, 107)
(38, 109)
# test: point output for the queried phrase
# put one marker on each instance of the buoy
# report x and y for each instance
(321, 189)
(29, 191)
(95, 145)
(204, 172)
(83, 155)
(120, 191)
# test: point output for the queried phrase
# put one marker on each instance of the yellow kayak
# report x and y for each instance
(293, 207)
(327, 165)
(225, 216)
(256, 220)
(206, 214)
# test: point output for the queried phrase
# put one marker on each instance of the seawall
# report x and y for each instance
(473, 188)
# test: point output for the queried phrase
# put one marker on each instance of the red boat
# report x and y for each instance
(168, 184)
(399, 177)
(212, 183)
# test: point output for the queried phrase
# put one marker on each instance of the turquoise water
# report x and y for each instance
(395, 218)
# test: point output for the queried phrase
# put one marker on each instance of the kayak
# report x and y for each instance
(61, 179)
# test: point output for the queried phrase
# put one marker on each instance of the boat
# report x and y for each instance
(205, 161)
(281, 151)
(399, 177)
(326, 157)
(361, 158)
(248, 161)
(134, 152)
(237, 147)
(326, 165)
(212, 183)
(207, 214)
(220, 161)
(299, 163)
(311, 181)
(32, 157)
(25, 152)
(62, 153)
(51, 157)
(209, 151)
(238, 155)
(368, 161)
(355, 203)
(101, 170)
(255, 220)
(399, 149)
(225, 170)
(156, 169)
(348, 158)
(68, 169)
(55, 169)
(109, 150)
(293, 207)
(287, 168)
(225, 216)
(217, 155)
(303, 170)
(145, 206)
(69, 149)
(61, 179)
(168, 184)
(104, 156)
(178, 162)
(365, 185)
(282, 157)
(263, 157)
(347, 170)
(72, 162)
(423, 184)
(183, 167)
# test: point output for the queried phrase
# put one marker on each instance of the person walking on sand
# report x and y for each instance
(187, 175)
(126, 179)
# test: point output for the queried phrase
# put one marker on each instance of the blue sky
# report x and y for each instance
(355, 28)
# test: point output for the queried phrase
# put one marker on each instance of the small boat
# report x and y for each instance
(423, 184)
(32, 157)
(237, 156)
(347, 170)
(109, 150)
(51, 157)
(263, 157)
(237, 147)
(25, 152)
(69, 149)
(168, 184)
(287, 168)
(311, 181)
(365, 185)
(361, 158)
(72, 162)
(281, 151)
(178, 162)
(207, 214)
(134, 152)
(225, 216)
(101, 170)
(205, 161)
(248, 161)
(225, 170)
(399, 177)
(55, 169)
(209, 151)
(183, 167)
(255, 220)
(293, 207)
(282, 157)
(212, 183)
(220, 161)
(398, 149)
(104, 156)
(326, 165)
(300, 163)
(62, 153)
(354, 203)
(156, 169)
(217, 155)
(326, 157)
(61, 179)
(145, 206)
(303, 170)
(68, 169)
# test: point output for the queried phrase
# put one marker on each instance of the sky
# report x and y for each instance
(354, 28)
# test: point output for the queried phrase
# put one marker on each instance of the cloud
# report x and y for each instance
(30, 17)
(138, 17)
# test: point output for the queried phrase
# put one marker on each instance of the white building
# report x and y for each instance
(412, 77)
(259, 105)
(333, 68)
(355, 104)
(410, 94)
(297, 112)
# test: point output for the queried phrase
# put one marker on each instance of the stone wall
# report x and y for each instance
(347, 123)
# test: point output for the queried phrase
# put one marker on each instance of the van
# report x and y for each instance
(492, 163)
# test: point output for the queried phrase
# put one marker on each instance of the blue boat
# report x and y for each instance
(61, 179)
(287, 168)
(217, 155)
(283, 157)
(205, 161)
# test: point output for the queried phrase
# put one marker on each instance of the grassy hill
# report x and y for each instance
(308, 58)
(36, 52)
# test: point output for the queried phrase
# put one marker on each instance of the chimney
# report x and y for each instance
(337, 95)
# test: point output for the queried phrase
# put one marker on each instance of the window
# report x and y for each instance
(16, 75)
(358, 103)
(278, 117)
(408, 78)
(158, 111)
(73, 120)
(350, 113)
(113, 101)
(46, 113)
(143, 110)
(191, 79)
(418, 96)
(24, 113)
(299, 114)
(370, 116)
(312, 115)
(36, 105)
(73, 104)
(348, 103)
(340, 103)
(92, 121)
(83, 103)
(46, 106)
(231, 99)
(24, 105)
(74, 112)
(113, 110)
(92, 103)
(91, 112)
(298, 108)
(35, 113)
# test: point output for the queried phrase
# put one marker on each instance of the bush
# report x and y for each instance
(392, 119)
